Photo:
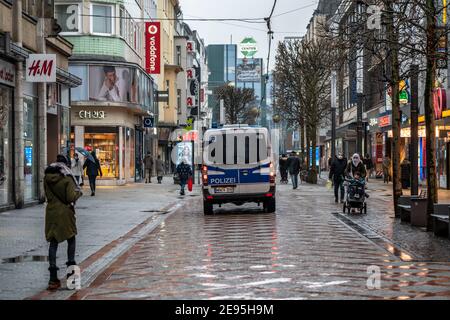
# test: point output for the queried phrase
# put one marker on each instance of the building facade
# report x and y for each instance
(107, 110)
(34, 117)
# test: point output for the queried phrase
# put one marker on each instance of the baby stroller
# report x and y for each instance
(356, 195)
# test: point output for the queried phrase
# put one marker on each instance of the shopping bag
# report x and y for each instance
(190, 183)
(329, 184)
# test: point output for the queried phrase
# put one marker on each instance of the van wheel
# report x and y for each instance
(270, 205)
(207, 208)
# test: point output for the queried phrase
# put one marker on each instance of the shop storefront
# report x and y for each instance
(107, 117)
(7, 75)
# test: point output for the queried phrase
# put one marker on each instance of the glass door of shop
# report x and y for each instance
(106, 146)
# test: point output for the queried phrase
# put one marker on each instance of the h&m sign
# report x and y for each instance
(41, 68)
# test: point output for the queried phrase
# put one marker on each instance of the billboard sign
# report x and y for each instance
(152, 47)
(248, 47)
(248, 70)
(115, 84)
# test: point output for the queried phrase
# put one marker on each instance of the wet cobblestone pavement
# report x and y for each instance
(301, 252)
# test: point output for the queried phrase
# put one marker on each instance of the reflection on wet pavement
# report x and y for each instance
(301, 252)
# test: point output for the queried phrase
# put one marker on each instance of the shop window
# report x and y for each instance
(29, 137)
(102, 21)
(80, 93)
(68, 18)
(5, 145)
(105, 145)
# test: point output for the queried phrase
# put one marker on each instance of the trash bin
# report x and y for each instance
(418, 212)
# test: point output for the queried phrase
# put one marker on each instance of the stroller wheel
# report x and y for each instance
(344, 208)
(365, 208)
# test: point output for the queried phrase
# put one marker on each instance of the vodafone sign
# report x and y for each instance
(152, 47)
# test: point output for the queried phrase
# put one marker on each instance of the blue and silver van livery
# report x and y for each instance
(238, 167)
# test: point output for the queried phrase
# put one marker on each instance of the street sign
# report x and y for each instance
(149, 122)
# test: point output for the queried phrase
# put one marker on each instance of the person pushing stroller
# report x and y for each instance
(355, 174)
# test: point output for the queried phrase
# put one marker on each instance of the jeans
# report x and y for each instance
(92, 180)
(294, 178)
(183, 183)
(54, 248)
(338, 185)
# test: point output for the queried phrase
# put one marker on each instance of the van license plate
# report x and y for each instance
(224, 189)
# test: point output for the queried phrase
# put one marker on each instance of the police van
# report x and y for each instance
(238, 167)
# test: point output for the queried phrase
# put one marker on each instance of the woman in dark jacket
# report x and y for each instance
(93, 169)
(61, 192)
(355, 165)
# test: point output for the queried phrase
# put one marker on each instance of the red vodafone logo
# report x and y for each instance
(152, 48)
(152, 29)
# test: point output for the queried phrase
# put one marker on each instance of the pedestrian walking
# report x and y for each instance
(283, 168)
(293, 164)
(148, 162)
(184, 171)
(93, 170)
(61, 192)
(355, 165)
(159, 169)
(337, 171)
(406, 173)
(386, 169)
(77, 168)
(369, 166)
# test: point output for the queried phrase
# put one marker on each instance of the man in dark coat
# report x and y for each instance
(283, 167)
(148, 162)
(61, 192)
(369, 166)
(337, 172)
(293, 164)
(93, 169)
(184, 171)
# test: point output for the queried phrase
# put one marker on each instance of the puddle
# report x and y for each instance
(19, 259)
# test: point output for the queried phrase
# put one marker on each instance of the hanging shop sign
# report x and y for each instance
(384, 121)
(190, 73)
(442, 48)
(439, 102)
(7, 73)
(41, 68)
(190, 47)
(373, 122)
(152, 47)
(149, 122)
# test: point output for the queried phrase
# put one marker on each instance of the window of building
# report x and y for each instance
(179, 101)
(68, 18)
(102, 21)
(178, 55)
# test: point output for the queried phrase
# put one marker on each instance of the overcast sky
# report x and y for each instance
(286, 25)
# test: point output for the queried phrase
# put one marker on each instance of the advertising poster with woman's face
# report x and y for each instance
(111, 83)
(184, 151)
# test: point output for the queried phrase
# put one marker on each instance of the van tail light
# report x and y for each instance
(272, 173)
(205, 175)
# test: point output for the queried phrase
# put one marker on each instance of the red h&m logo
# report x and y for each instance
(152, 48)
(41, 68)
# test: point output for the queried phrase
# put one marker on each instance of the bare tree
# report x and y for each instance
(239, 104)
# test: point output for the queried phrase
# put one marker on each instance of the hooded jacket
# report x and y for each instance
(351, 169)
(61, 192)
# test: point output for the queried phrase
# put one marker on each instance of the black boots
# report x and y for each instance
(53, 283)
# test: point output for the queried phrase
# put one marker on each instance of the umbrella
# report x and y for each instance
(85, 153)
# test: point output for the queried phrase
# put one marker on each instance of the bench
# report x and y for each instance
(404, 204)
(441, 221)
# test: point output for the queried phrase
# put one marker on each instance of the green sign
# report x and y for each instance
(248, 47)
(403, 97)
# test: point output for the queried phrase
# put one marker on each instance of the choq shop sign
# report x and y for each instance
(85, 114)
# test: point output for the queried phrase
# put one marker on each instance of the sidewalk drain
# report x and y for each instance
(19, 259)
(155, 211)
